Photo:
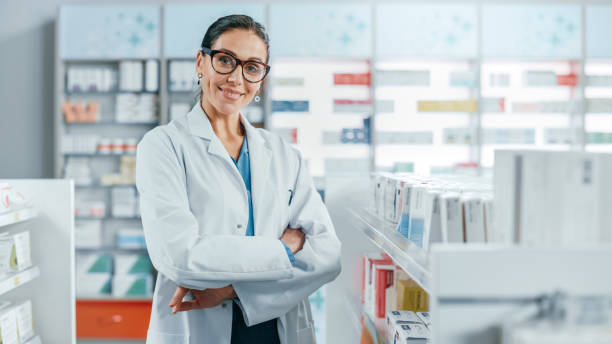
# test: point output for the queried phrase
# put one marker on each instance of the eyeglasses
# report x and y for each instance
(225, 63)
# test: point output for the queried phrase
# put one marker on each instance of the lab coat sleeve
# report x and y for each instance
(175, 245)
(315, 265)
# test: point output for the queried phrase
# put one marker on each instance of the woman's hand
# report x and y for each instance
(294, 238)
(206, 298)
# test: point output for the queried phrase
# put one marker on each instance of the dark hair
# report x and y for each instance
(231, 22)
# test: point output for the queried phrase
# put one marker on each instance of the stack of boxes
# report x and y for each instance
(16, 323)
(426, 210)
(387, 290)
(121, 275)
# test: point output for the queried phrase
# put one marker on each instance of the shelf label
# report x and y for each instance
(290, 106)
(352, 79)
(469, 106)
(352, 106)
(567, 80)
(16, 216)
(16, 281)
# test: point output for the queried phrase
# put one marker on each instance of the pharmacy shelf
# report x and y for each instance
(409, 257)
(112, 249)
(97, 155)
(107, 217)
(17, 216)
(115, 299)
(87, 93)
(33, 340)
(102, 186)
(11, 281)
(111, 122)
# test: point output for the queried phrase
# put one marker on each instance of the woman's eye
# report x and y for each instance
(253, 68)
(225, 60)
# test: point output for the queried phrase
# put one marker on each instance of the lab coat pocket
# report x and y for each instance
(306, 336)
(154, 337)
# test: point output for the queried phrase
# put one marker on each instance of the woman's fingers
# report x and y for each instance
(185, 306)
(178, 296)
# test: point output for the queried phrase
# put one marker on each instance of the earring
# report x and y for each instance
(257, 99)
(199, 78)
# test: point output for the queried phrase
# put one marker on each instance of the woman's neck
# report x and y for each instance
(225, 126)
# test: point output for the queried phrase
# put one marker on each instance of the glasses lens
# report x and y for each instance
(253, 71)
(224, 63)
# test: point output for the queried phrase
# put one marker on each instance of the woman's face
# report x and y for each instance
(228, 93)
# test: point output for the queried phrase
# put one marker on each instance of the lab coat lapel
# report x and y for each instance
(199, 125)
(260, 156)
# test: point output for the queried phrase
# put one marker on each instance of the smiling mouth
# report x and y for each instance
(233, 95)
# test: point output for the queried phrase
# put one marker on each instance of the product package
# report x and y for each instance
(411, 334)
(140, 285)
(25, 321)
(87, 263)
(416, 233)
(88, 234)
(473, 214)
(433, 225)
(376, 281)
(129, 264)
(451, 217)
(15, 252)
(131, 238)
(402, 317)
(8, 326)
(411, 297)
(11, 199)
(425, 318)
(92, 285)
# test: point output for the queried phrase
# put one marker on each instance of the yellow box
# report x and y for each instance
(447, 106)
(411, 297)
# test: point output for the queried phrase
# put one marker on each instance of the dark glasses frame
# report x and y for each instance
(239, 62)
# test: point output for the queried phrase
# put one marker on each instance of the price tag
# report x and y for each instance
(16, 216)
(16, 280)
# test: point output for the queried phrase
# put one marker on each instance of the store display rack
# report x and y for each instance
(404, 253)
(13, 280)
(471, 293)
(17, 216)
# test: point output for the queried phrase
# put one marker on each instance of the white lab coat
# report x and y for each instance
(195, 212)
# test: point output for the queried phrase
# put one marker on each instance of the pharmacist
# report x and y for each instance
(232, 220)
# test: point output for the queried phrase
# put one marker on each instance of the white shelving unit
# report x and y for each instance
(17, 216)
(476, 287)
(49, 283)
(14, 280)
(404, 253)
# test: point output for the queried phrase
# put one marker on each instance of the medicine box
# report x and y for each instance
(15, 251)
(25, 321)
(128, 264)
(93, 284)
(8, 326)
(133, 285)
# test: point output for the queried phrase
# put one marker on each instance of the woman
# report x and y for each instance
(230, 214)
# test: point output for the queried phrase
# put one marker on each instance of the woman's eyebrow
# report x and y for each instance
(235, 55)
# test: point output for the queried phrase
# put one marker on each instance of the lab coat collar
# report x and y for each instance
(260, 155)
(199, 125)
